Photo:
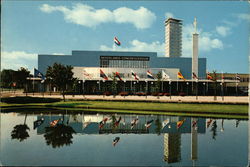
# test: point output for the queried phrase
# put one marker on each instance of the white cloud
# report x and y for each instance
(169, 15)
(243, 16)
(136, 45)
(223, 30)
(16, 59)
(58, 54)
(206, 41)
(88, 16)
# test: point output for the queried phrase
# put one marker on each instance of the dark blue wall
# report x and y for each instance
(91, 59)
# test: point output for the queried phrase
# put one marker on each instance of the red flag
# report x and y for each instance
(209, 122)
(179, 75)
(209, 76)
(54, 123)
(118, 76)
(179, 123)
(103, 75)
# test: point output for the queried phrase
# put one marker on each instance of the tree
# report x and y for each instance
(7, 78)
(114, 84)
(215, 84)
(20, 131)
(61, 76)
(59, 135)
(21, 77)
(158, 83)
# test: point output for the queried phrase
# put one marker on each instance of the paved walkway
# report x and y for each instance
(188, 99)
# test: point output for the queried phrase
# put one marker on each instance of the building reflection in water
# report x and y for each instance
(194, 140)
(172, 147)
(89, 124)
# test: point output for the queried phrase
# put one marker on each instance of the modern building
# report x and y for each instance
(124, 60)
(173, 37)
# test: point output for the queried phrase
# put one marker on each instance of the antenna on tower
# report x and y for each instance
(195, 25)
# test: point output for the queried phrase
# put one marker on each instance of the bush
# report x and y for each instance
(160, 94)
(107, 93)
(182, 94)
(25, 100)
(123, 93)
(141, 94)
(154, 94)
(167, 94)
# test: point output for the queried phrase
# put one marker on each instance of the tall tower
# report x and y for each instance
(195, 50)
(173, 37)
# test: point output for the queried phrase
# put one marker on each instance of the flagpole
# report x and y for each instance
(196, 89)
(177, 86)
(236, 84)
(33, 82)
(192, 85)
(131, 87)
(162, 85)
(170, 88)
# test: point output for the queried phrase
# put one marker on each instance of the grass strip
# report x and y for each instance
(142, 106)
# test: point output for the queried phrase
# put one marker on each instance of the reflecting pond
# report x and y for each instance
(97, 139)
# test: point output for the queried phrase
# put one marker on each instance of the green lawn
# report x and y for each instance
(150, 106)
(181, 109)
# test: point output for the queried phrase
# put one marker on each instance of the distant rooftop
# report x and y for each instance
(172, 19)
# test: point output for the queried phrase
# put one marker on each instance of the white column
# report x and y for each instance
(195, 54)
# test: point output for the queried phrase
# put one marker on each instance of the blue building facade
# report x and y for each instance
(92, 59)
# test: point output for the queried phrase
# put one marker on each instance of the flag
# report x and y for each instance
(85, 124)
(209, 76)
(164, 75)
(85, 74)
(117, 42)
(179, 123)
(209, 122)
(195, 76)
(237, 77)
(222, 76)
(103, 75)
(164, 123)
(54, 123)
(118, 121)
(149, 123)
(149, 75)
(118, 76)
(134, 75)
(102, 123)
(116, 140)
(39, 74)
(134, 122)
(180, 76)
(194, 123)
(38, 122)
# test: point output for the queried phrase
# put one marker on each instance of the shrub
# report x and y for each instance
(28, 99)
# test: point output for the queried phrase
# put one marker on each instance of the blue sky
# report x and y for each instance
(53, 27)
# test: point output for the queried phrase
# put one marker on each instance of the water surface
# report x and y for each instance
(77, 139)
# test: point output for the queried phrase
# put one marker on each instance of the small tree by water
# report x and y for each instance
(61, 76)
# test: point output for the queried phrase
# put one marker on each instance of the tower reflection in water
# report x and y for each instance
(167, 125)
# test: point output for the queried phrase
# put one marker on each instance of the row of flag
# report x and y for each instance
(164, 76)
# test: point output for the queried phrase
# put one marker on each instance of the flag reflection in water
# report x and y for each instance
(170, 126)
